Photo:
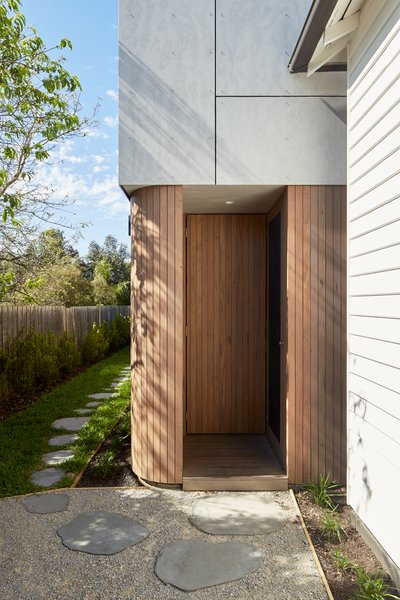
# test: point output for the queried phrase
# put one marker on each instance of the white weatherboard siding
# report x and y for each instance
(374, 272)
(206, 97)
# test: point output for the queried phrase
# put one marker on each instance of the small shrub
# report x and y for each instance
(106, 464)
(120, 332)
(331, 526)
(95, 344)
(45, 360)
(322, 492)
(371, 587)
(68, 354)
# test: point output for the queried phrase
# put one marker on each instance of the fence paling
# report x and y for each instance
(55, 319)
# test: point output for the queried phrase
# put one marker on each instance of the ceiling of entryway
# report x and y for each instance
(241, 198)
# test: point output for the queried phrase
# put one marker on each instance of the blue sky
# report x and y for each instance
(85, 169)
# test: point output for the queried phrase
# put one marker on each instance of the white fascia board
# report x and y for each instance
(341, 28)
(323, 56)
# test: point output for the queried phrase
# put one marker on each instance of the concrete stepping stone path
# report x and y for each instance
(83, 411)
(101, 532)
(237, 514)
(70, 423)
(47, 477)
(192, 565)
(93, 404)
(100, 395)
(63, 440)
(44, 504)
(57, 457)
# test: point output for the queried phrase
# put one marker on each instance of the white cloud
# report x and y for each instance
(98, 169)
(113, 94)
(98, 158)
(111, 121)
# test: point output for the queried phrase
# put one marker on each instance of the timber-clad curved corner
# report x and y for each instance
(157, 333)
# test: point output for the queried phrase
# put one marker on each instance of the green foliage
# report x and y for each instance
(322, 492)
(68, 354)
(371, 587)
(38, 105)
(96, 344)
(331, 526)
(106, 464)
(120, 332)
(342, 562)
(24, 436)
(34, 361)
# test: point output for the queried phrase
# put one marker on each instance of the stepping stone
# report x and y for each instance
(115, 384)
(57, 457)
(192, 565)
(83, 411)
(44, 504)
(100, 395)
(70, 423)
(63, 440)
(122, 378)
(93, 404)
(102, 532)
(47, 477)
(237, 514)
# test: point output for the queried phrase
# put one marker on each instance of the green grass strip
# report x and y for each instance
(24, 436)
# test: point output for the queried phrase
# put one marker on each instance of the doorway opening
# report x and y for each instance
(233, 353)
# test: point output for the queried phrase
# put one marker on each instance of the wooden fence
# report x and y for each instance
(57, 319)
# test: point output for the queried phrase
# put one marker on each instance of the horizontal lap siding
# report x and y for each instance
(374, 270)
(316, 354)
(157, 337)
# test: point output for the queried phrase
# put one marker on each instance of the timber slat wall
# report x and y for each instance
(16, 320)
(158, 335)
(226, 323)
(316, 332)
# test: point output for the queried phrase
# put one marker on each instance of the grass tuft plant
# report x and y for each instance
(342, 562)
(331, 526)
(371, 587)
(107, 464)
(322, 492)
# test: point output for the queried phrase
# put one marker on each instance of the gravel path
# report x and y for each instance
(35, 565)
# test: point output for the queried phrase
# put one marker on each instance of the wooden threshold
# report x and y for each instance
(231, 463)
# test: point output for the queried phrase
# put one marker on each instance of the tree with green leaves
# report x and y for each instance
(39, 108)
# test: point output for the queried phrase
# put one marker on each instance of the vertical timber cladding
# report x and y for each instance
(157, 333)
(316, 354)
(226, 324)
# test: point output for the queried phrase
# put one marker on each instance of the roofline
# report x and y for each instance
(313, 28)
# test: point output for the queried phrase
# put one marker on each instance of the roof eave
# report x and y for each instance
(313, 28)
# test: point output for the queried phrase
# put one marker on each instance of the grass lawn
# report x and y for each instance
(24, 436)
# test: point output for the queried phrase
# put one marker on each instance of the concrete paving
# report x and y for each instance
(44, 504)
(35, 563)
(101, 532)
(84, 411)
(100, 395)
(70, 423)
(57, 457)
(193, 565)
(237, 514)
(92, 404)
(63, 440)
(47, 477)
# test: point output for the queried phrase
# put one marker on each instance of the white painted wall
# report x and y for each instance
(206, 96)
(374, 272)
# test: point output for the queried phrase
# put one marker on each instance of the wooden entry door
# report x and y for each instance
(226, 300)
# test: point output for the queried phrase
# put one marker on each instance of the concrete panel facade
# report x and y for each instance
(255, 39)
(167, 91)
(179, 60)
(281, 140)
